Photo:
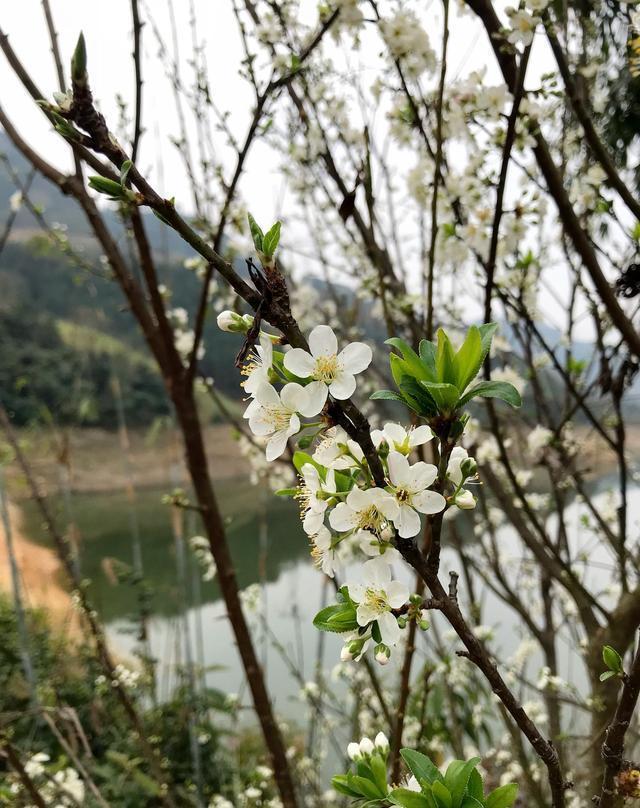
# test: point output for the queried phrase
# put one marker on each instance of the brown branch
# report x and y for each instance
(613, 746)
(137, 66)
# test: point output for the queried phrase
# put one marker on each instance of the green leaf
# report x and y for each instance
(471, 802)
(341, 783)
(413, 364)
(256, 233)
(410, 799)
(457, 778)
(125, 168)
(421, 399)
(475, 787)
(612, 659)
(468, 360)
(503, 390)
(445, 359)
(367, 787)
(271, 239)
(442, 795)
(106, 186)
(503, 797)
(379, 771)
(386, 395)
(446, 396)
(301, 459)
(486, 335)
(338, 618)
(607, 675)
(428, 356)
(421, 767)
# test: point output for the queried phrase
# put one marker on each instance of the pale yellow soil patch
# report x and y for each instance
(41, 576)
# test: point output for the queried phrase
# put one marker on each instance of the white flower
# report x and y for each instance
(312, 497)
(337, 450)
(323, 553)
(413, 785)
(376, 596)
(258, 367)
(275, 415)
(15, 201)
(523, 26)
(401, 440)
(331, 371)
(538, 438)
(411, 484)
(371, 510)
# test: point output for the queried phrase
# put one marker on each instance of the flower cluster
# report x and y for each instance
(364, 506)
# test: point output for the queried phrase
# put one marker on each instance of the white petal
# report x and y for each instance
(365, 614)
(377, 436)
(276, 445)
(389, 629)
(255, 380)
(395, 433)
(316, 398)
(376, 572)
(266, 351)
(322, 341)
(267, 395)
(398, 469)
(343, 386)
(294, 397)
(342, 518)
(253, 407)
(428, 502)
(356, 592)
(312, 523)
(420, 435)
(397, 594)
(421, 475)
(355, 357)
(259, 424)
(407, 522)
(299, 362)
(357, 499)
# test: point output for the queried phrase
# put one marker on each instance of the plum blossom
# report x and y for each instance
(323, 552)
(371, 511)
(312, 496)
(523, 26)
(337, 450)
(376, 596)
(331, 372)
(276, 415)
(538, 439)
(411, 490)
(258, 367)
(400, 439)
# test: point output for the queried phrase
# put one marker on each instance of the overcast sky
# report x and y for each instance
(107, 29)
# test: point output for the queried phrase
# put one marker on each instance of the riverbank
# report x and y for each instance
(86, 460)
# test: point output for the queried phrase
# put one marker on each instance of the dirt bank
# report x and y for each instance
(41, 576)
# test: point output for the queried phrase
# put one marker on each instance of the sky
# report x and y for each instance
(107, 30)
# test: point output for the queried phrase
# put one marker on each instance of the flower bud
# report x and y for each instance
(382, 742)
(232, 322)
(345, 654)
(402, 622)
(468, 467)
(366, 747)
(465, 500)
(382, 654)
(383, 449)
(415, 599)
(353, 751)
